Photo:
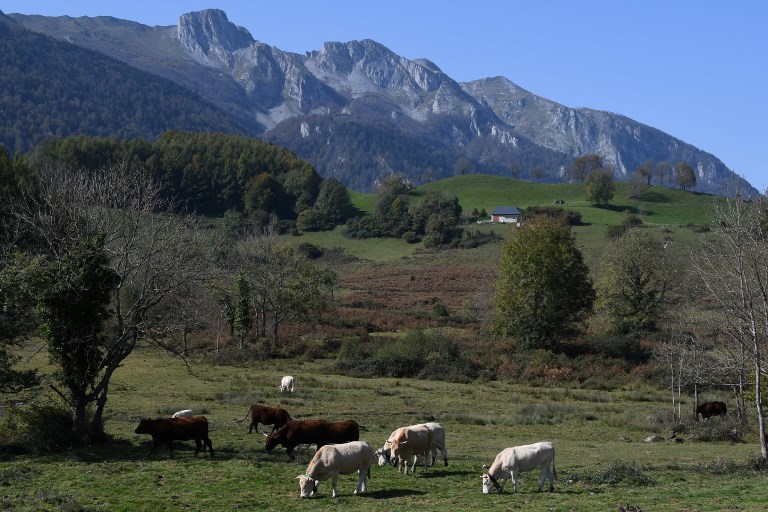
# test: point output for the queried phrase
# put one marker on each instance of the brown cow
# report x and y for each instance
(274, 416)
(708, 409)
(168, 430)
(318, 432)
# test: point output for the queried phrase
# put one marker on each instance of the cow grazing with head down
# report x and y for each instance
(384, 454)
(411, 442)
(708, 409)
(318, 432)
(511, 461)
(333, 460)
(275, 416)
(184, 413)
(287, 383)
(168, 430)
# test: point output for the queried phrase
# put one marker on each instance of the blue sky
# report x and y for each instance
(696, 69)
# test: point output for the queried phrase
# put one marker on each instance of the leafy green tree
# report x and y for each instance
(311, 220)
(72, 297)
(583, 165)
(265, 193)
(333, 202)
(242, 321)
(390, 188)
(544, 289)
(438, 218)
(684, 175)
(637, 272)
(600, 187)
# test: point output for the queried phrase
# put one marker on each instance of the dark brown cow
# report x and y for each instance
(318, 432)
(708, 409)
(274, 416)
(168, 430)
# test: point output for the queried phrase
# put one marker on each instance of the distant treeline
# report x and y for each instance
(209, 173)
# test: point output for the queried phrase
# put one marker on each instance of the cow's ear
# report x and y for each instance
(299, 477)
(486, 466)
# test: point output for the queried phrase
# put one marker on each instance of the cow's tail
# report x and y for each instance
(246, 415)
(369, 472)
(554, 471)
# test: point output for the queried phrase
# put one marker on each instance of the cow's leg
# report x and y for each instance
(360, 481)
(434, 455)
(543, 477)
(426, 460)
(333, 480)
(551, 478)
(210, 445)
(289, 451)
(503, 482)
(514, 479)
(198, 446)
(170, 447)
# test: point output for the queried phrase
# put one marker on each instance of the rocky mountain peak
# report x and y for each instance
(211, 38)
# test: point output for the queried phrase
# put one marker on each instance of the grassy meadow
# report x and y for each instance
(601, 460)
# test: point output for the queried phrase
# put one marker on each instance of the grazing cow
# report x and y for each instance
(168, 430)
(411, 442)
(318, 432)
(184, 413)
(334, 459)
(511, 461)
(275, 416)
(708, 409)
(287, 383)
(384, 453)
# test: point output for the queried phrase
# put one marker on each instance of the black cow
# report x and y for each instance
(274, 416)
(318, 432)
(708, 409)
(168, 430)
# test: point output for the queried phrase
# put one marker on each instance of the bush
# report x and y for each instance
(42, 426)
(622, 472)
(422, 355)
(570, 217)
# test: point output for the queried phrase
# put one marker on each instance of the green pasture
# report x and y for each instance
(593, 431)
(657, 205)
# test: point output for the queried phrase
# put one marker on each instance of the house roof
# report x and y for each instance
(506, 210)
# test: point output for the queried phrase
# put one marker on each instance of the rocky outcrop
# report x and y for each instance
(296, 99)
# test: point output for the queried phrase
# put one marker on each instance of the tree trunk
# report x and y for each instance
(695, 400)
(759, 402)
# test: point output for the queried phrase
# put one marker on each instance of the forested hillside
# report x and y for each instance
(209, 173)
(50, 88)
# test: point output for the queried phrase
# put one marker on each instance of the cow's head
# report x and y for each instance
(146, 426)
(307, 486)
(489, 483)
(273, 440)
(383, 456)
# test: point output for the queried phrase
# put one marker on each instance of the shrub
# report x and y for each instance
(432, 356)
(42, 426)
(623, 472)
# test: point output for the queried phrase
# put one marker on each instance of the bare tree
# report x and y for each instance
(733, 267)
(286, 285)
(154, 254)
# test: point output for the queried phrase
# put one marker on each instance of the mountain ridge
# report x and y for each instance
(295, 97)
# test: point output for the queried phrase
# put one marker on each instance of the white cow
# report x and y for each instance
(511, 461)
(184, 413)
(287, 383)
(334, 459)
(384, 453)
(411, 442)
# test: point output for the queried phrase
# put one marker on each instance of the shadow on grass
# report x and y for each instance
(654, 197)
(383, 494)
